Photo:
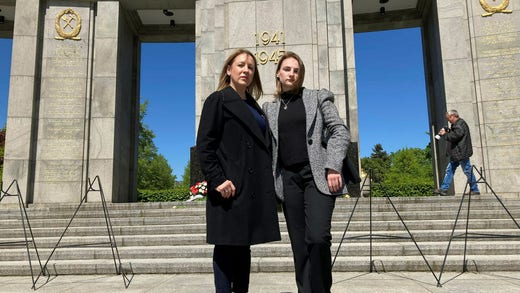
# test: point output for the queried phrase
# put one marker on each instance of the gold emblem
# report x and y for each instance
(68, 25)
(501, 8)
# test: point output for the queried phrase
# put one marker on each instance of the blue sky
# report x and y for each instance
(390, 88)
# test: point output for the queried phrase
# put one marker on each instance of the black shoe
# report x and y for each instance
(441, 192)
(472, 193)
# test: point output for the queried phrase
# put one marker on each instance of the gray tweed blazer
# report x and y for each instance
(327, 137)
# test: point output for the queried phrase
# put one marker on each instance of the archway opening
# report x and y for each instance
(393, 108)
(391, 90)
(167, 85)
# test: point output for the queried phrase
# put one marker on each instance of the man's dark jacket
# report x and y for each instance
(459, 141)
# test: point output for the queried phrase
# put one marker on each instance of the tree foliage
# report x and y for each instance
(407, 172)
(410, 165)
(378, 163)
(186, 176)
(153, 170)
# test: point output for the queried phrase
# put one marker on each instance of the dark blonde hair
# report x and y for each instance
(255, 89)
(301, 72)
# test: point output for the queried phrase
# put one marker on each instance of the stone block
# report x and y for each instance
(102, 139)
(207, 20)
(451, 9)
(241, 33)
(498, 45)
(105, 55)
(58, 170)
(503, 157)
(503, 66)
(207, 44)
(303, 32)
(21, 95)
(502, 134)
(458, 80)
(498, 89)
(501, 180)
(103, 100)
(504, 111)
(105, 170)
(454, 39)
(336, 59)
(18, 138)
(333, 13)
(337, 82)
(29, 11)
(24, 56)
(107, 20)
(335, 35)
(54, 192)
(494, 25)
(269, 16)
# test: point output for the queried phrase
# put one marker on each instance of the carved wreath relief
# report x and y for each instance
(68, 25)
(501, 8)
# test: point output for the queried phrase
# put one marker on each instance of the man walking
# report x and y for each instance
(459, 150)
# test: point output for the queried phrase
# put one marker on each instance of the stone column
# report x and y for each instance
(73, 105)
(23, 101)
(115, 103)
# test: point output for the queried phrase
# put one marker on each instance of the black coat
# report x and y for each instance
(231, 146)
(459, 141)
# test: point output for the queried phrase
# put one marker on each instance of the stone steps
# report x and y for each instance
(97, 228)
(381, 249)
(170, 237)
(267, 264)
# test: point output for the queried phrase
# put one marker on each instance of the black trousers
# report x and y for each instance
(308, 214)
(231, 268)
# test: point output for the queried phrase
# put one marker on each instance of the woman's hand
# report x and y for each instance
(227, 189)
(334, 180)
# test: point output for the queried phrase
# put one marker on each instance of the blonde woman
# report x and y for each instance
(309, 144)
(234, 148)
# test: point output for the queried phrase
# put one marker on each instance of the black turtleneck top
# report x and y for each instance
(292, 147)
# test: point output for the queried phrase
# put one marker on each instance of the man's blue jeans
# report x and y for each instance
(466, 167)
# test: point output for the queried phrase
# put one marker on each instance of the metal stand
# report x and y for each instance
(112, 240)
(466, 234)
(371, 235)
(26, 229)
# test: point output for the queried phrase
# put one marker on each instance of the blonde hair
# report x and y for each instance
(301, 73)
(255, 89)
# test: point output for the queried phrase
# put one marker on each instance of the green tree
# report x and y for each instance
(378, 162)
(410, 165)
(153, 170)
(2, 148)
(186, 176)
(409, 173)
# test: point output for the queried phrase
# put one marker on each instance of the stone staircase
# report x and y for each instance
(170, 237)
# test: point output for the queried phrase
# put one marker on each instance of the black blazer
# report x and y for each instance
(232, 146)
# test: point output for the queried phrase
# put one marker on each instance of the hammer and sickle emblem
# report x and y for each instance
(501, 8)
(68, 25)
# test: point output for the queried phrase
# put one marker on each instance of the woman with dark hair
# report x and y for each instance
(309, 144)
(234, 148)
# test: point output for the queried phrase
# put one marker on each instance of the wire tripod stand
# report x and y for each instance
(467, 234)
(110, 231)
(27, 230)
(371, 236)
